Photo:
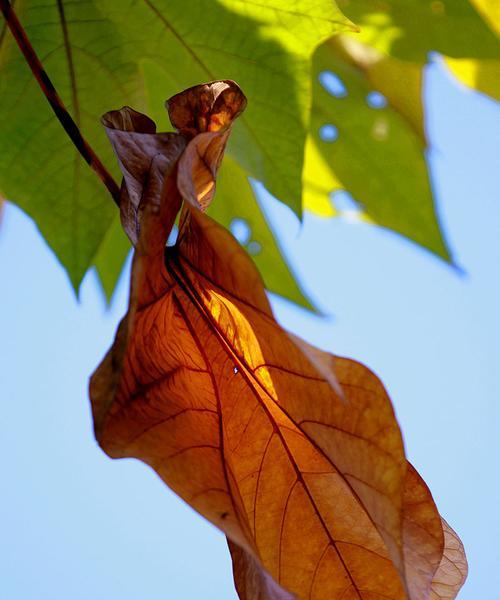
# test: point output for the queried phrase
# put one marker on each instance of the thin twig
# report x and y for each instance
(55, 101)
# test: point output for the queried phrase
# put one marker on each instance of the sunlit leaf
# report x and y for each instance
(490, 11)
(481, 75)
(102, 53)
(388, 56)
(424, 533)
(375, 150)
(94, 61)
(295, 454)
(409, 29)
(400, 81)
(465, 31)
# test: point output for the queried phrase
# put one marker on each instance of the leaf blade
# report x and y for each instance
(411, 29)
(378, 156)
(241, 420)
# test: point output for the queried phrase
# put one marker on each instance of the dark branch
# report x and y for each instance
(55, 101)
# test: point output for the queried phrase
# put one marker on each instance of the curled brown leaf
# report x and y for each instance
(297, 458)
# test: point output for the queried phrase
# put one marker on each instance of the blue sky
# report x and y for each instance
(75, 524)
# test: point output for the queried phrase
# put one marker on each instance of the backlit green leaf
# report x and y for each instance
(409, 29)
(375, 153)
(481, 75)
(102, 55)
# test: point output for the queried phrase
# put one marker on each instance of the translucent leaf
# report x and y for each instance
(294, 453)
(97, 54)
(378, 153)
(481, 75)
(410, 29)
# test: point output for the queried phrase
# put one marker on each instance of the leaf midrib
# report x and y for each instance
(199, 306)
(192, 296)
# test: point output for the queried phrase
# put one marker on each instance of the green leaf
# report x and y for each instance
(378, 156)
(409, 29)
(265, 46)
(110, 258)
(40, 169)
(481, 75)
(102, 55)
(490, 11)
(98, 63)
(465, 31)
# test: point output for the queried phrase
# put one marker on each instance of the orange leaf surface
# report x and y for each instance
(294, 454)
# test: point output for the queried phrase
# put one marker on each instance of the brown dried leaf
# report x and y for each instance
(452, 571)
(144, 157)
(297, 458)
(422, 535)
(251, 580)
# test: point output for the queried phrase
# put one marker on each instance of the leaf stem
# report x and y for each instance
(55, 101)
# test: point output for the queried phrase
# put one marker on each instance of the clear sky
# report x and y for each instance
(76, 525)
